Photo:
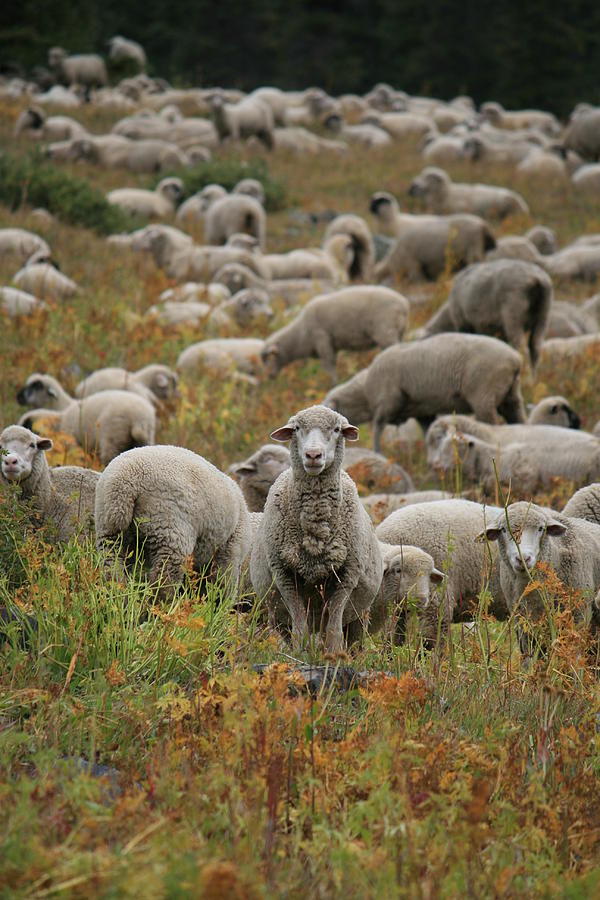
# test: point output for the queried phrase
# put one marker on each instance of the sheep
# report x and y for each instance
(242, 309)
(175, 503)
(591, 308)
(543, 238)
(250, 187)
(194, 208)
(554, 411)
(528, 534)
(87, 70)
(21, 243)
(447, 529)
(367, 134)
(232, 214)
(223, 354)
(441, 195)
(441, 373)
(350, 398)
(160, 202)
(567, 348)
(299, 140)
(568, 320)
(483, 147)
(155, 382)
(362, 240)
(250, 116)
(379, 506)
(584, 504)
(442, 149)
(505, 298)
(257, 473)
(355, 318)
(409, 574)
(212, 293)
(63, 496)
(399, 125)
(34, 122)
(515, 247)
(523, 118)
(316, 551)
(113, 151)
(203, 263)
(43, 280)
(545, 165)
(19, 303)
(275, 99)
(106, 423)
(583, 134)
(124, 50)
(333, 262)
(578, 261)
(237, 276)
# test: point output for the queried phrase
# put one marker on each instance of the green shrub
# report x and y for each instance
(227, 172)
(35, 181)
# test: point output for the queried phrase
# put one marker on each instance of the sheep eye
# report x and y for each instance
(32, 446)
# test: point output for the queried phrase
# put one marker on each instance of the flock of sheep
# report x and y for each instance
(289, 524)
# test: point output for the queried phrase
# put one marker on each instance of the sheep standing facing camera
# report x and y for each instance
(175, 503)
(315, 552)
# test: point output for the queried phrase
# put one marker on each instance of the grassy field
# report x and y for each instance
(141, 755)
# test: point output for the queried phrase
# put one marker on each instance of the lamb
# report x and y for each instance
(232, 214)
(257, 473)
(19, 303)
(409, 574)
(63, 496)
(442, 196)
(315, 552)
(155, 382)
(515, 247)
(523, 118)
(250, 116)
(528, 534)
(585, 504)
(86, 69)
(43, 280)
(441, 373)
(106, 423)
(447, 529)
(177, 504)
(362, 241)
(21, 243)
(138, 202)
(124, 50)
(355, 318)
(223, 354)
(505, 298)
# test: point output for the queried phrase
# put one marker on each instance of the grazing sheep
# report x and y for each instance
(124, 50)
(177, 505)
(362, 240)
(522, 118)
(366, 134)
(203, 263)
(447, 529)
(86, 69)
(233, 214)
(19, 303)
(301, 141)
(112, 151)
(399, 125)
(554, 411)
(250, 116)
(42, 279)
(543, 238)
(409, 575)
(585, 504)
(155, 382)
(316, 552)
(528, 534)
(107, 423)
(503, 298)
(21, 243)
(242, 309)
(445, 372)
(223, 354)
(257, 473)
(63, 495)
(275, 99)
(568, 320)
(545, 165)
(441, 195)
(350, 398)
(34, 122)
(355, 318)
(160, 202)
(579, 261)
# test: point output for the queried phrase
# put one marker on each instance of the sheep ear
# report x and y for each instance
(243, 469)
(436, 576)
(283, 434)
(555, 529)
(51, 392)
(350, 432)
(44, 444)
(490, 534)
(162, 380)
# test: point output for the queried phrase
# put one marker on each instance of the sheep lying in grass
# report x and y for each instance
(19, 303)
(462, 372)
(63, 496)
(159, 203)
(442, 196)
(34, 122)
(223, 354)
(355, 318)
(526, 535)
(42, 279)
(106, 423)
(154, 382)
(505, 298)
(315, 552)
(21, 243)
(409, 576)
(175, 504)
(522, 118)
(332, 262)
(257, 473)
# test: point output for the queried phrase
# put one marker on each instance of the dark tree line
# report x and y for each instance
(519, 52)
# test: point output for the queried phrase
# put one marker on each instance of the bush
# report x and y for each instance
(34, 181)
(227, 172)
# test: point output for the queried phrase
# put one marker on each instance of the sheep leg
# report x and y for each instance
(326, 353)
(167, 567)
(334, 635)
(294, 604)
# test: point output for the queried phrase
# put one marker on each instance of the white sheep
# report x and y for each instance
(355, 318)
(362, 241)
(34, 122)
(505, 298)
(155, 382)
(232, 214)
(241, 310)
(299, 140)
(86, 69)
(106, 423)
(177, 505)
(248, 117)
(543, 238)
(315, 552)
(223, 355)
(584, 504)
(332, 262)
(160, 202)
(379, 506)
(21, 243)
(554, 410)
(124, 50)
(569, 320)
(250, 187)
(522, 118)
(556, 349)
(19, 303)
(43, 280)
(62, 495)
(441, 195)
(114, 151)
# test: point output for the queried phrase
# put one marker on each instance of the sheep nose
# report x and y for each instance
(313, 454)
(10, 461)
(528, 559)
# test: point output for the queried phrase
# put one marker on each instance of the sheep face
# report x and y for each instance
(521, 539)
(431, 184)
(172, 189)
(19, 448)
(316, 434)
(406, 575)
(384, 206)
(37, 392)
(263, 467)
